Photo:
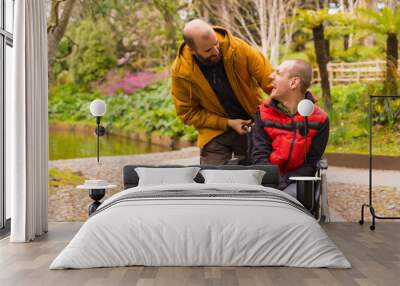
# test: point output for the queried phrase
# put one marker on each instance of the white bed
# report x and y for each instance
(225, 225)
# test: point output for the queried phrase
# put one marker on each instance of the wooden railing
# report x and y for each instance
(353, 72)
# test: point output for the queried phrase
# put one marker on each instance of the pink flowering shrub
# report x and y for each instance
(127, 82)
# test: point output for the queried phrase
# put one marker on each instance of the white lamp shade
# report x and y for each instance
(305, 107)
(98, 107)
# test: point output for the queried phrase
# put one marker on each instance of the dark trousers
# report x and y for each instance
(221, 148)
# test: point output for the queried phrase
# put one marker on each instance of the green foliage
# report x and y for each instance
(385, 21)
(350, 105)
(150, 109)
(338, 25)
(342, 24)
(307, 54)
(146, 32)
(70, 103)
(64, 49)
(356, 53)
(94, 53)
(312, 18)
(299, 40)
(349, 127)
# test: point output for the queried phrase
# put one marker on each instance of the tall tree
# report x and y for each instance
(259, 22)
(314, 20)
(145, 31)
(169, 11)
(386, 22)
(60, 13)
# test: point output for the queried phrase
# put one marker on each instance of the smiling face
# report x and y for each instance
(207, 49)
(283, 85)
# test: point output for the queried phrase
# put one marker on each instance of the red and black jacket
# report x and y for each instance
(278, 138)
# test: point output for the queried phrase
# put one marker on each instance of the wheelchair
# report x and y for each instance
(320, 206)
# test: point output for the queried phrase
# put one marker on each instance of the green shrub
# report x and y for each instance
(350, 112)
(94, 53)
(357, 53)
(69, 103)
(64, 49)
(349, 124)
(150, 109)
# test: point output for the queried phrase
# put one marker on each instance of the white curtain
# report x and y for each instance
(27, 123)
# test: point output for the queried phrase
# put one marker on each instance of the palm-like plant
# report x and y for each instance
(385, 22)
(314, 20)
(344, 26)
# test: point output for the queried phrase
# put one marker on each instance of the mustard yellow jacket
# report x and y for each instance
(195, 101)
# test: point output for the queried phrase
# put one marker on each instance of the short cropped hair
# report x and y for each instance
(302, 70)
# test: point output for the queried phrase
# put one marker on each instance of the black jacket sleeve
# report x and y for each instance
(262, 143)
(317, 149)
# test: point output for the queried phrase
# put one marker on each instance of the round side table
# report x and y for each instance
(96, 193)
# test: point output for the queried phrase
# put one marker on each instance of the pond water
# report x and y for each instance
(72, 144)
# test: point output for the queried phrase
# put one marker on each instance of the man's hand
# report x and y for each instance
(239, 125)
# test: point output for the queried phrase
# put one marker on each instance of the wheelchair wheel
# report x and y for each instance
(317, 208)
(323, 207)
(315, 211)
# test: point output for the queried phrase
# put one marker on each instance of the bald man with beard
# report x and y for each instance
(217, 84)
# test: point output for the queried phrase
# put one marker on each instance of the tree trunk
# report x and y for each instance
(346, 42)
(327, 49)
(56, 29)
(322, 60)
(392, 57)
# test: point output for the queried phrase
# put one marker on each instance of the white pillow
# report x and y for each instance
(162, 176)
(248, 177)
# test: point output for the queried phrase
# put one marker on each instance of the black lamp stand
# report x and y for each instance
(370, 203)
(305, 137)
(100, 131)
(97, 194)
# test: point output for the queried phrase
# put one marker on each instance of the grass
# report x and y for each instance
(61, 178)
(384, 142)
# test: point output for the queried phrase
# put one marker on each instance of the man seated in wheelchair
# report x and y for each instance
(279, 133)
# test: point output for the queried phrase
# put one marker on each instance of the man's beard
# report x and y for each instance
(209, 61)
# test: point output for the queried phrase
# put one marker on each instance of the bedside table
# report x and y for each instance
(96, 193)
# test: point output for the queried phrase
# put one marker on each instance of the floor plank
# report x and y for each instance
(375, 257)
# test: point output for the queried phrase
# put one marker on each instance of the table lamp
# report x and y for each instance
(305, 108)
(98, 108)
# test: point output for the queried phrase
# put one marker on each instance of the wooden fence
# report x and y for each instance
(353, 72)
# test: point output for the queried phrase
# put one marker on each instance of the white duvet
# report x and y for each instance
(183, 231)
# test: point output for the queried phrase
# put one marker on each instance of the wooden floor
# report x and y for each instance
(374, 255)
